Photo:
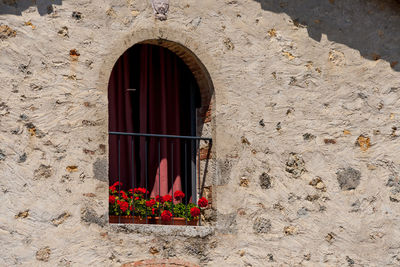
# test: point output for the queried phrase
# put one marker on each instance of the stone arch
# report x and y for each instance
(192, 62)
(192, 53)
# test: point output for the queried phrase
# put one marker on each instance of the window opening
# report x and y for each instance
(153, 101)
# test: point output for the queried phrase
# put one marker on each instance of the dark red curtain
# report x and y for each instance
(149, 92)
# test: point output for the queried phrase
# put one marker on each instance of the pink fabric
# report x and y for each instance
(155, 107)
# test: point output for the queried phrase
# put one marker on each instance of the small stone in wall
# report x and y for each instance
(2, 155)
(290, 111)
(308, 137)
(262, 225)
(302, 212)
(307, 256)
(318, 184)
(293, 197)
(394, 198)
(336, 57)
(244, 140)
(241, 211)
(6, 32)
(4, 109)
(290, 230)
(394, 183)
(329, 141)
(272, 32)
(278, 206)
(346, 132)
(348, 178)
(74, 54)
(22, 214)
(24, 69)
(228, 44)
(363, 142)
(60, 219)
(278, 126)
(350, 261)
(90, 216)
(34, 131)
(261, 123)
(43, 254)
(44, 171)
(72, 168)
(312, 198)
(89, 123)
(100, 170)
(29, 23)
(77, 15)
(330, 237)
(355, 207)
(65, 178)
(111, 12)
(102, 149)
(244, 182)
(289, 55)
(22, 158)
(295, 165)
(153, 250)
(64, 32)
(265, 181)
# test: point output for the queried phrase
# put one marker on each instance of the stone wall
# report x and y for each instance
(305, 124)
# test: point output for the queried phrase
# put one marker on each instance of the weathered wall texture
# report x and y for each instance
(305, 122)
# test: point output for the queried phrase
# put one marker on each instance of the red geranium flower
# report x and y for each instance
(150, 203)
(158, 198)
(166, 198)
(140, 191)
(178, 195)
(203, 202)
(113, 187)
(166, 215)
(123, 205)
(111, 199)
(123, 194)
(195, 211)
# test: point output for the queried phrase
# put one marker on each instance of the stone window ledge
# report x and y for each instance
(164, 230)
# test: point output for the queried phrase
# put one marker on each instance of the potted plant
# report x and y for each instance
(134, 206)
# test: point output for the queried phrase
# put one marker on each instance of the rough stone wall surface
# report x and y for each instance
(305, 121)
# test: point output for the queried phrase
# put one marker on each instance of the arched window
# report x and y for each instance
(153, 102)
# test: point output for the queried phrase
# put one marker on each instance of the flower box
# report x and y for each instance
(180, 221)
(170, 210)
(150, 220)
(131, 219)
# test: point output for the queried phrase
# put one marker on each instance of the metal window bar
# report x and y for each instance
(194, 165)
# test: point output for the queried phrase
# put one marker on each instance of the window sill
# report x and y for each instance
(164, 230)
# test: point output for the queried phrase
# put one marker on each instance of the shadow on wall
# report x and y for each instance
(370, 26)
(16, 7)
